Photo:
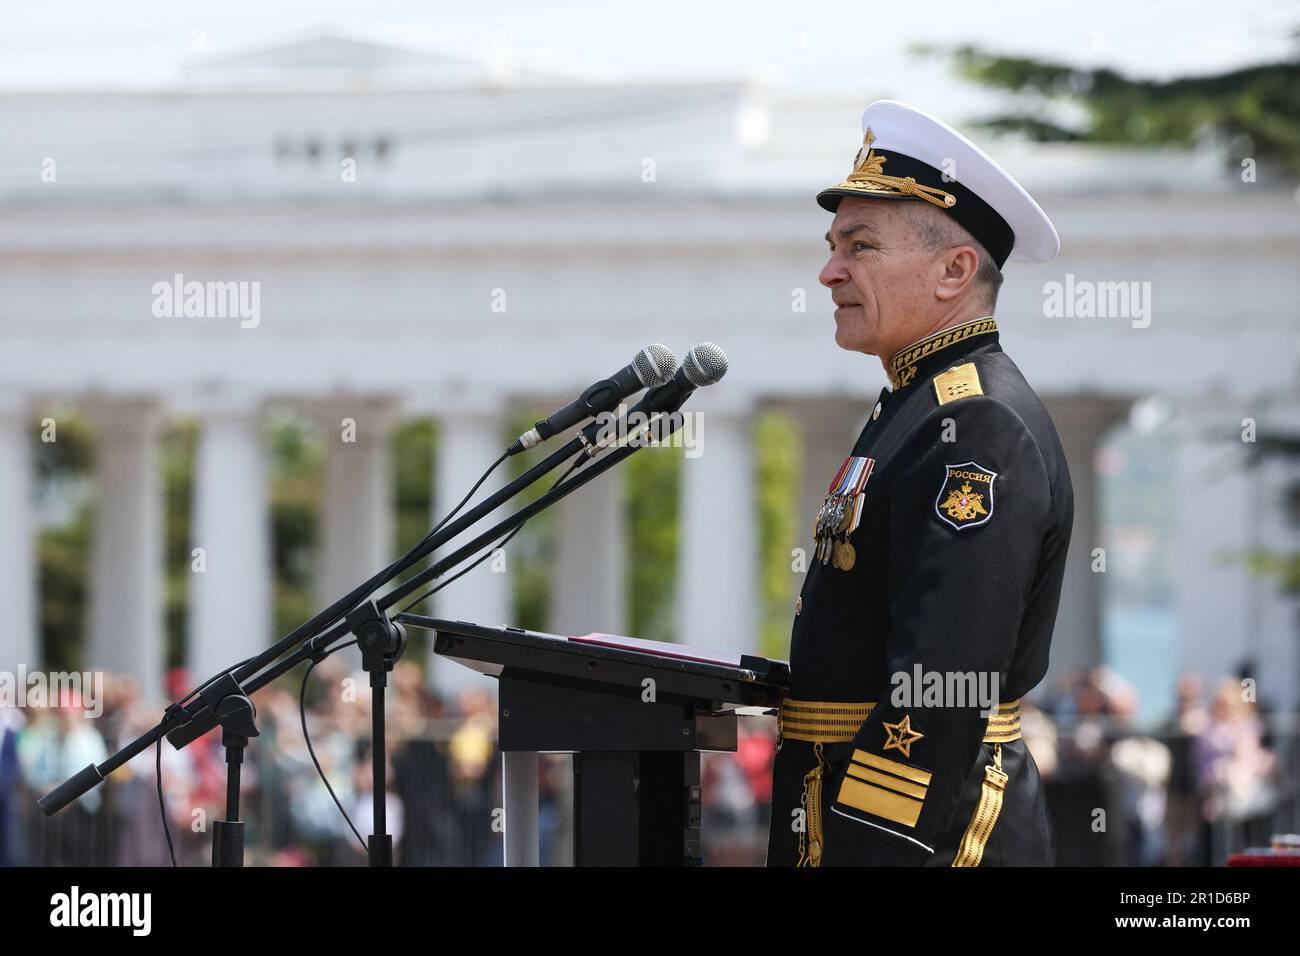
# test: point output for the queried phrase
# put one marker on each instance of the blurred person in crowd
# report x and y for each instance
(472, 751)
(412, 705)
(140, 840)
(421, 769)
(1263, 706)
(55, 745)
(1233, 770)
(471, 746)
(1040, 736)
(362, 809)
(1143, 765)
(334, 727)
(121, 697)
(275, 764)
(729, 814)
(1087, 706)
(555, 809)
(755, 749)
(1182, 802)
(12, 852)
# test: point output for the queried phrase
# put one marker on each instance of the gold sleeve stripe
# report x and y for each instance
(822, 722)
(886, 781)
(1002, 736)
(1004, 726)
(893, 766)
(821, 709)
(879, 802)
(838, 722)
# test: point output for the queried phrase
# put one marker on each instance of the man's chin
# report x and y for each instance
(846, 340)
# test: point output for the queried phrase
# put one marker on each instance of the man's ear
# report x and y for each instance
(960, 264)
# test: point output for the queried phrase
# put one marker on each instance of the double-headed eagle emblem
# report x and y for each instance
(963, 503)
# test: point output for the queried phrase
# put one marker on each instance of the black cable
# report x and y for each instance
(302, 713)
(451, 514)
(385, 573)
(465, 570)
(488, 553)
(302, 690)
(162, 804)
(436, 528)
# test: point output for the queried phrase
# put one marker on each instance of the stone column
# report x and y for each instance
(718, 562)
(230, 598)
(1082, 423)
(19, 641)
(589, 587)
(469, 439)
(126, 596)
(357, 518)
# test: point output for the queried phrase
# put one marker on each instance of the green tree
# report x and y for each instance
(779, 465)
(63, 467)
(177, 447)
(1255, 110)
(296, 466)
(653, 509)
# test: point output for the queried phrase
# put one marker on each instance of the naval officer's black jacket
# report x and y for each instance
(960, 554)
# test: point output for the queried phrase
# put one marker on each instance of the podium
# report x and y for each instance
(636, 715)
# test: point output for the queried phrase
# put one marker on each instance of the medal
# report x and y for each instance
(840, 513)
(845, 556)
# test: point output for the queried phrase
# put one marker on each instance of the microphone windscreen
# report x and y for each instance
(705, 364)
(655, 365)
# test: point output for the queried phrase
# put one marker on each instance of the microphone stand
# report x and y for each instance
(381, 642)
(377, 623)
(666, 399)
(321, 646)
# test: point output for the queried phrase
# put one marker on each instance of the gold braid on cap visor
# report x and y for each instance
(868, 174)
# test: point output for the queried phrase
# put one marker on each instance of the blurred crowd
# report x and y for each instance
(1221, 773)
(1213, 778)
(442, 778)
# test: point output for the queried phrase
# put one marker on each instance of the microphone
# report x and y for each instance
(709, 365)
(652, 366)
(705, 365)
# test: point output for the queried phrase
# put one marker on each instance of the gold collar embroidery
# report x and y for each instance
(902, 367)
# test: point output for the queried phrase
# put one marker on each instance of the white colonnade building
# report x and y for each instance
(602, 218)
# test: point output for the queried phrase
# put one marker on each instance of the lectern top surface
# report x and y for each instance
(608, 658)
(658, 648)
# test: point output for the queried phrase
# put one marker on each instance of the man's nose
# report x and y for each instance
(833, 273)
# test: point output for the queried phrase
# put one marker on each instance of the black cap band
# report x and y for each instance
(971, 213)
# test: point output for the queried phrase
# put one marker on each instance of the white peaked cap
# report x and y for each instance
(910, 155)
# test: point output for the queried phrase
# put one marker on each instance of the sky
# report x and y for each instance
(807, 46)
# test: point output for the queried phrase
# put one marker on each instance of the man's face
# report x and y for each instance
(881, 280)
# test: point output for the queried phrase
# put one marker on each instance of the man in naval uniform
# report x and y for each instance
(928, 608)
